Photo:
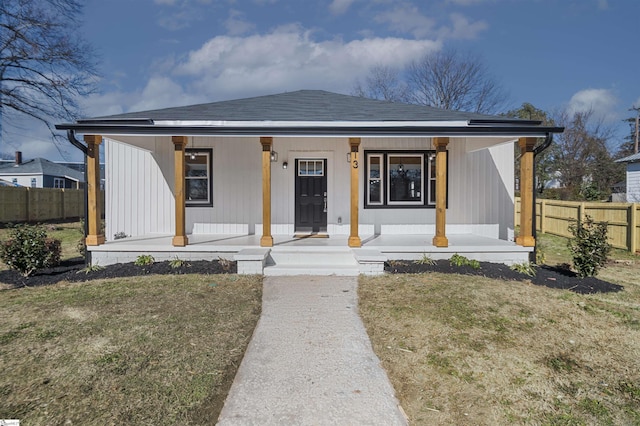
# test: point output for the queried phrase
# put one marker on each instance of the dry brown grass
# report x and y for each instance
(475, 351)
(152, 350)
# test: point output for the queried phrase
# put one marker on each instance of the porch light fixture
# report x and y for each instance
(274, 156)
(285, 165)
(348, 157)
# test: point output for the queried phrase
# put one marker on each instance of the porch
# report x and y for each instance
(312, 255)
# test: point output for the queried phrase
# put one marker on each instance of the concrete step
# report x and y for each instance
(319, 262)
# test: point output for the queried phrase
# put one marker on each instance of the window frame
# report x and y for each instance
(428, 175)
(58, 183)
(208, 152)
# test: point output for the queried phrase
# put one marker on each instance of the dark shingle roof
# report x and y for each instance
(634, 158)
(41, 166)
(304, 105)
(308, 113)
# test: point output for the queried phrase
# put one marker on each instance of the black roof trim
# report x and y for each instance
(425, 131)
(518, 122)
(123, 121)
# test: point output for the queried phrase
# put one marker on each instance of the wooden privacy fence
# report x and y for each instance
(19, 204)
(555, 216)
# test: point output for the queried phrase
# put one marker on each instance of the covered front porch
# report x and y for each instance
(312, 255)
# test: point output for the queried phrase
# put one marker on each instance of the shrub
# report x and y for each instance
(524, 268)
(459, 261)
(425, 260)
(589, 246)
(144, 260)
(29, 249)
(176, 263)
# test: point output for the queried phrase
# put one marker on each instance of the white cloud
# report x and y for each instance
(408, 19)
(289, 59)
(236, 24)
(602, 102)
(462, 28)
(339, 7)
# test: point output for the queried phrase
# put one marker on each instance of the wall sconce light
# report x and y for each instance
(285, 165)
(348, 157)
(274, 156)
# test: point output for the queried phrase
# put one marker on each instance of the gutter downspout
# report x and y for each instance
(537, 150)
(75, 142)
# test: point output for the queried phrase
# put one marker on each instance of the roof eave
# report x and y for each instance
(284, 131)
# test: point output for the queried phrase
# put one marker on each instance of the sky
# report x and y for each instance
(558, 55)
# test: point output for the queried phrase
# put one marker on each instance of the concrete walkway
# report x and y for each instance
(310, 361)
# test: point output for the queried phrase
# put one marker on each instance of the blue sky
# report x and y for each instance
(555, 54)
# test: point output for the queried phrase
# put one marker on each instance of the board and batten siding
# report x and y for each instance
(633, 183)
(139, 186)
(140, 199)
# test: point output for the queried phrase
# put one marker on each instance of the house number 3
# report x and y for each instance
(355, 164)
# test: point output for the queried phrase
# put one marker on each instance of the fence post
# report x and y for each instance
(581, 208)
(633, 224)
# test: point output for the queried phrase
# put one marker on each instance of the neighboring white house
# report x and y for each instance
(284, 167)
(633, 177)
(40, 173)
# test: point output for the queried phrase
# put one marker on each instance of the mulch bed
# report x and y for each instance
(548, 276)
(72, 270)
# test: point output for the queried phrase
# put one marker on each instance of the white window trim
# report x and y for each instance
(58, 183)
(380, 179)
(388, 178)
(209, 178)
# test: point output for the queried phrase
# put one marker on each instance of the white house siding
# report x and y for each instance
(633, 182)
(24, 179)
(140, 184)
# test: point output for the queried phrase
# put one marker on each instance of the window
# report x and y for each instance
(198, 188)
(34, 182)
(58, 183)
(14, 181)
(400, 179)
(310, 167)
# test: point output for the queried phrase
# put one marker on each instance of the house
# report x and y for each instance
(40, 173)
(268, 179)
(633, 177)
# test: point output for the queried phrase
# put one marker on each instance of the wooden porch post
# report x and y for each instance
(440, 239)
(94, 237)
(179, 143)
(525, 238)
(354, 238)
(267, 239)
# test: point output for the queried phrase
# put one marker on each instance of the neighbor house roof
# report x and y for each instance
(630, 159)
(41, 166)
(308, 112)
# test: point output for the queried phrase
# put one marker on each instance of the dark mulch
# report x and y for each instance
(548, 276)
(72, 270)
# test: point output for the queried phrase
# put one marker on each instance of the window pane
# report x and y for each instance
(405, 178)
(197, 189)
(375, 192)
(302, 167)
(196, 166)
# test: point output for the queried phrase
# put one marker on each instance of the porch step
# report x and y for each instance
(311, 262)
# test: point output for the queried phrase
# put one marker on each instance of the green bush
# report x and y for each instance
(589, 246)
(459, 261)
(144, 260)
(29, 249)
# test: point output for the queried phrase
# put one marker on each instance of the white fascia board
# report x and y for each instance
(328, 124)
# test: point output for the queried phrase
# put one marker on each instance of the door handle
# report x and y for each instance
(325, 201)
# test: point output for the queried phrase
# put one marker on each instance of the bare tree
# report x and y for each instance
(383, 82)
(585, 166)
(45, 66)
(450, 80)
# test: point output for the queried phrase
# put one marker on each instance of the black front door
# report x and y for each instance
(311, 195)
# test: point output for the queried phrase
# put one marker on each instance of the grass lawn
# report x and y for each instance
(143, 351)
(475, 351)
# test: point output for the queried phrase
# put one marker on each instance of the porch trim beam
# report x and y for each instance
(179, 143)
(267, 145)
(525, 238)
(354, 238)
(94, 236)
(440, 239)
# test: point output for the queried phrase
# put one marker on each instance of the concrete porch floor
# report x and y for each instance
(309, 253)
